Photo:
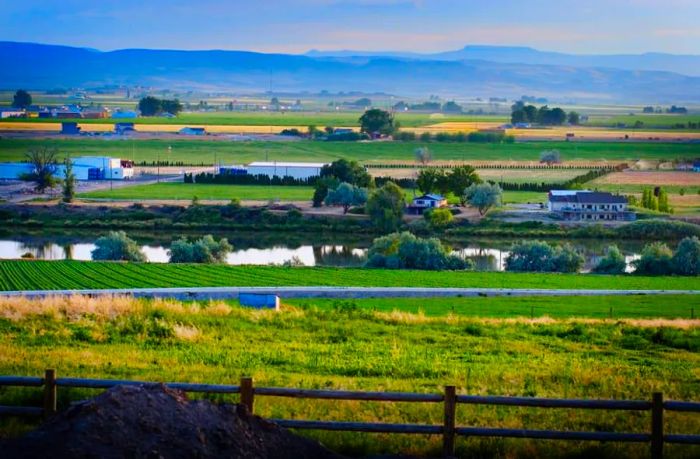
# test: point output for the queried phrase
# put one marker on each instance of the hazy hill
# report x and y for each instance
(683, 64)
(36, 66)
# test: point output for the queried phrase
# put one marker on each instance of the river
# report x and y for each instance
(277, 248)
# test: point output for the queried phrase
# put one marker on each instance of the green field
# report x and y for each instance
(351, 347)
(187, 191)
(663, 121)
(224, 152)
(40, 275)
(637, 306)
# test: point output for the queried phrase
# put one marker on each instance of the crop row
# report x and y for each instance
(52, 275)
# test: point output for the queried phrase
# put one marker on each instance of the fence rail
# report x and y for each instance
(448, 429)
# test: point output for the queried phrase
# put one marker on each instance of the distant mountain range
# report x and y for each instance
(683, 64)
(471, 72)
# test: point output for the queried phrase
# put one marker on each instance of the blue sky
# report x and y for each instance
(583, 26)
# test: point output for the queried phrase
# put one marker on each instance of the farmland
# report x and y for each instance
(52, 275)
(185, 191)
(350, 346)
(207, 152)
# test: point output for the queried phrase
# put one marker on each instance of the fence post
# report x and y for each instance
(49, 392)
(657, 425)
(247, 394)
(448, 432)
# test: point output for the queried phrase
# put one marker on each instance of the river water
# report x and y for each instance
(277, 248)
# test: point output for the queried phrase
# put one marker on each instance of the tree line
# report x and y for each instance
(521, 113)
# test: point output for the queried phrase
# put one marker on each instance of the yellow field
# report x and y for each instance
(558, 133)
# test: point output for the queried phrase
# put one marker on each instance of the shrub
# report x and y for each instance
(406, 251)
(686, 260)
(438, 217)
(538, 256)
(117, 246)
(612, 263)
(655, 260)
(203, 250)
(658, 229)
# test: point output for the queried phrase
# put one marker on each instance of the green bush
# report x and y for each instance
(655, 260)
(686, 260)
(538, 256)
(406, 251)
(439, 218)
(612, 263)
(116, 246)
(203, 250)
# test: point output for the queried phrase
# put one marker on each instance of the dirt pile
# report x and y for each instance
(153, 421)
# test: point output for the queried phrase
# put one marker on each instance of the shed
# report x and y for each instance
(193, 131)
(259, 300)
(70, 128)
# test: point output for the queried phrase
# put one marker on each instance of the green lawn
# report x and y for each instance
(187, 191)
(37, 275)
(637, 306)
(345, 347)
(207, 152)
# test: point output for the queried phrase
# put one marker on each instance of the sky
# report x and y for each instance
(296, 26)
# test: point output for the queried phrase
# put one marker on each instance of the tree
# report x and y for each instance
(116, 246)
(21, 99)
(483, 196)
(377, 121)
(655, 260)
(686, 260)
(612, 263)
(461, 178)
(663, 202)
(204, 250)
(429, 179)
(574, 118)
(550, 157)
(68, 181)
(351, 172)
(150, 106)
(439, 217)
(171, 106)
(45, 166)
(385, 207)
(406, 251)
(452, 107)
(423, 155)
(538, 256)
(321, 191)
(346, 195)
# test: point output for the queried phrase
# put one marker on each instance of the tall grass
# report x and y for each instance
(346, 346)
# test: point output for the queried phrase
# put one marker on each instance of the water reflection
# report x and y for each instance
(488, 255)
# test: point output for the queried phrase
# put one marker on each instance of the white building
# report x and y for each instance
(588, 205)
(281, 169)
(84, 168)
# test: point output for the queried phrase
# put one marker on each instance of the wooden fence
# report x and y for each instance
(449, 429)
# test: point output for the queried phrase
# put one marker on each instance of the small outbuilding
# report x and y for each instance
(422, 203)
(193, 131)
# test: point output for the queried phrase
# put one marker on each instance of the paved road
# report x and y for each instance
(203, 293)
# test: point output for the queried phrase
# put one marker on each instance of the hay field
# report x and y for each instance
(497, 175)
(650, 178)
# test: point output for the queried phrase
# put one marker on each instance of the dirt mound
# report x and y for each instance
(153, 421)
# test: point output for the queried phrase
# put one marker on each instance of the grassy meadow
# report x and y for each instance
(187, 191)
(52, 275)
(209, 152)
(366, 346)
